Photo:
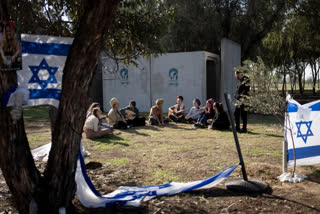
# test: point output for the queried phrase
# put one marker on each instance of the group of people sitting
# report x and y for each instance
(212, 116)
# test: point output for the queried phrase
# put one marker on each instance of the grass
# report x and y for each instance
(174, 152)
(120, 161)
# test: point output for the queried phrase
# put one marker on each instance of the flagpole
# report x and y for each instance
(243, 168)
(245, 184)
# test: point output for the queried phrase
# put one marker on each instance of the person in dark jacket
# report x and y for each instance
(220, 120)
(242, 91)
(131, 113)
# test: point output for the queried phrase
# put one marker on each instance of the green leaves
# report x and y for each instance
(264, 98)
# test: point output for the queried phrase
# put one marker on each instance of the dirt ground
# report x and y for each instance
(153, 155)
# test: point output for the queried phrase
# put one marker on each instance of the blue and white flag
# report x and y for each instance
(43, 59)
(302, 132)
(125, 195)
(133, 196)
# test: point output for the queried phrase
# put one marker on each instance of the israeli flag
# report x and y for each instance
(126, 195)
(43, 59)
(133, 196)
(302, 132)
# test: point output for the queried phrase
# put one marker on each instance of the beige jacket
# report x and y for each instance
(114, 116)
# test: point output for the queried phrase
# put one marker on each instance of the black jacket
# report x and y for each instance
(243, 88)
(221, 121)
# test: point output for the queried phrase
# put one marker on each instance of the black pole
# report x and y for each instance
(243, 169)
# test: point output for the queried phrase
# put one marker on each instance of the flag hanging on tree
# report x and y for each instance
(43, 60)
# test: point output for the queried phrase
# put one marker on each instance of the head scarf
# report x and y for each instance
(113, 101)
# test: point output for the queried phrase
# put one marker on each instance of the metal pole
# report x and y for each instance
(285, 157)
(243, 169)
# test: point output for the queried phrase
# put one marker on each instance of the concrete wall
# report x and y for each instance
(165, 76)
(230, 58)
(127, 82)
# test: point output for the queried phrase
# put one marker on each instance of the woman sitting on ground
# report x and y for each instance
(176, 112)
(131, 113)
(92, 128)
(156, 116)
(91, 107)
(194, 112)
(115, 118)
(220, 120)
(207, 113)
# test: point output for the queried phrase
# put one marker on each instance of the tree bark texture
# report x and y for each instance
(78, 72)
(57, 187)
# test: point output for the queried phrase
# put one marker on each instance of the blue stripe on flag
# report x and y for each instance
(48, 93)
(7, 95)
(315, 107)
(45, 48)
(291, 107)
(85, 175)
(304, 152)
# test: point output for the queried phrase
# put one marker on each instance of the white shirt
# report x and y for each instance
(92, 123)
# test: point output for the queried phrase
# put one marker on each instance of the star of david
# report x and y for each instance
(43, 66)
(309, 132)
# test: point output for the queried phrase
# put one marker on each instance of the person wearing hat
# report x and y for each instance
(92, 127)
(176, 112)
(156, 116)
(131, 113)
(115, 118)
(194, 112)
(207, 113)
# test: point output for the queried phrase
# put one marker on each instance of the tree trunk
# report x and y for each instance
(56, 189)
(78, 72)
(16, 161)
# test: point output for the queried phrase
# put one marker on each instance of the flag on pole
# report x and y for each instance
(43, 59)
(302, 132)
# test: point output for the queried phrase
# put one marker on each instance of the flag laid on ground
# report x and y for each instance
(302, 132)
(124, 195)
(43, 59)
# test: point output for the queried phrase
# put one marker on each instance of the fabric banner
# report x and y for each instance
(302, 132)
(43, 59)
(125, 195)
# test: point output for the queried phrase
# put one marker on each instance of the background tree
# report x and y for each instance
(200, 25)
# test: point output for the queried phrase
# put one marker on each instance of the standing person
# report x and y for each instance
(115, 118)
(220, 120)
(92, 128)
(176, 112)
(194, 112)
(132, 116)
(242, 91)
(156, 115)
(207, 113)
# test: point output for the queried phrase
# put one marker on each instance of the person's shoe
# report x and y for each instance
(86, 153)
(193, 127)
(210, 127)
(243, 131)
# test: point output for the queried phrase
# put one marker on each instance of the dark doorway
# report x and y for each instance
(212, 80)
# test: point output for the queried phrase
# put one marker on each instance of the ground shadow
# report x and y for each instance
(134, 130)
(112, 139)
(176, 126)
